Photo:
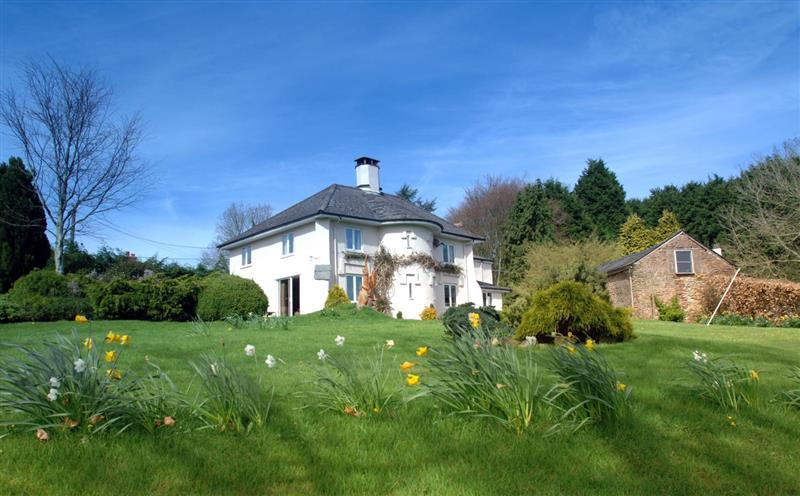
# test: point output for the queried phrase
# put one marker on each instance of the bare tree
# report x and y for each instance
(83, 156)
(763, 223)
(233, 221)
(485, 209)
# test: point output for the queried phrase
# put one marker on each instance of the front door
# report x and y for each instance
(285, 296)
(295, 295)
(290, 295)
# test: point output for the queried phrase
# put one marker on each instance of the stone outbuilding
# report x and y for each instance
(674, 267)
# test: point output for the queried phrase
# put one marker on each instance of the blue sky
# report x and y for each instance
(272, 101)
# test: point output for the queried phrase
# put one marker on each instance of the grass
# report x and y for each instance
(672, 442)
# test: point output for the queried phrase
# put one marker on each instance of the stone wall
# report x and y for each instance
(619, 289)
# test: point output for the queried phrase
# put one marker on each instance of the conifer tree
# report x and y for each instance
(603, 198)
(531, 220)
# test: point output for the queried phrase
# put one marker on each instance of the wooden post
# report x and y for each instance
(723, 297)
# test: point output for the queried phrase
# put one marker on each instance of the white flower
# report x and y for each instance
(390, 343)
(699, 357)
(80, 365)
(339, 340)
(250, 350)
(55, 382)
(270, 361)
(322, 355)
(531, 340)
(214, 369)
(53, 394)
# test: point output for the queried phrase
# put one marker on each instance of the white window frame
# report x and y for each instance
(356, 282)
(287, 244)
(487, 300)
(353, 239)
(448, 253)
(691, 260)
(247, 256)
(450, 293)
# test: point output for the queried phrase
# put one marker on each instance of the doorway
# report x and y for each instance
(290, 295)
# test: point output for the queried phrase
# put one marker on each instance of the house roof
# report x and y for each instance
(353, 203)
(492, 287)
(483, 259)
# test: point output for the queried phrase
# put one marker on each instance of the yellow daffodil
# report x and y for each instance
(422, 351)
(475, 320)
(88, 343)
(125, 340)
(501, 386)
(731, 421)
(110, 337)
(114, 374)
(754, 375)
(110, 356)
(590, 344)
(406, 366)
(621, 387)
(376, 410)
(571, 349)
(81, 319)
(412, 380)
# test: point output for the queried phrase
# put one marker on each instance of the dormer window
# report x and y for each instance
(353, 239)
(684, 262)
(288, 244)
(247, 256)
(448, 253)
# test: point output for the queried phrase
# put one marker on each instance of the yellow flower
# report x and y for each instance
(125, 340)
(621, 387)
(406, 366)
(475, 320)
(731, 421)
(111, 337)
(114, 374)
(501, 386)
(571, 349)
(110, 356)
(590, 344)
(81, 319)
(376, 410)
(88, 343)
(422, 351)
(230, 329)
(412, 380)
(754, 375)
(569, 334)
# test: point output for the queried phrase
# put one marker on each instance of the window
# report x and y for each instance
(247, 258)
(353, 284)
(353, 237)
(410, 280)
(449, 295)
(448, 253)
(487, 299)
(684, 263)
(288, 244)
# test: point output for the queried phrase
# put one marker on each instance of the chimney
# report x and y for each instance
(717, 250)
(368, 176)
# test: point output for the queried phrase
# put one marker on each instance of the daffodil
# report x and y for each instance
(422, 351)
(111, 337)
(571, 349)
(114, 374)
(412, 380)
(475, 320)
(322, 355)
(110, 356)
(389, 343)
(81, 319)
(406, 366)
(79, 365)
(88, 343)
(339, 340)
(590, 344)
(621, 387)
(52, 395)
(753, 375)
(55, 382)
(250, 350)
(125, 340)
(270, 361)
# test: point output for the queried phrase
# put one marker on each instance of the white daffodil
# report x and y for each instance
(699, 357)
(322, 355)
(53, 394)
(389, 343)
(214, 369)
(250, 350)
(339, 340)
(80, 365)
(270, 361)
(531, 340)
(55, 382)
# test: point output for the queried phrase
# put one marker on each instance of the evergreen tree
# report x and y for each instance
(603, 198)
(406, 192)
(668, 224)
(634, 235)
(667, 198)
(23, 242)
(530, 221)
(570, 221)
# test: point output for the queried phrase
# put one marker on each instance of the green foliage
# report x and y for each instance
(530, 221)
(224, 295)
(23, 242)
(153, 298)
(671, 312)
(351, 385)
(406, 192)
(603, 199)
(732, 319)
(8, 311)
(635, 235)
(46, 295)
(336, 296)
(399, 315)
(791, 397)
(572, 307)
(456, 321)
(668, 224)
(594, 389)
(725, 382)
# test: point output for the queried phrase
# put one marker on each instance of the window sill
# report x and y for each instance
(288, 255)
(246, 266)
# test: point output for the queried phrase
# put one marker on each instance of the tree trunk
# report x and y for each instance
(58, 251)
(72, 227)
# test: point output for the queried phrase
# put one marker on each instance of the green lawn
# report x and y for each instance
(673, 443)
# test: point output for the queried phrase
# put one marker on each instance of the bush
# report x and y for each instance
(223, 295)
(8, 310)
(399, 315)
(428, 313)
(572, 307)
(146, 299)
(47, 295)
(456, 321)
(738, 320)
(336, 296)
(671, 312)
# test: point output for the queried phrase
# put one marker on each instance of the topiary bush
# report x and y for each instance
(670, 312)
(47, 295)
(336, 296)
(428, 313)
(456, 321)
(572, 307)
(222, 295)
(153, 298)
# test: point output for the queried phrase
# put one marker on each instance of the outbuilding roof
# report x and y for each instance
(353, 203)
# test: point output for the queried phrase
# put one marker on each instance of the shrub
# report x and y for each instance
(428, 313)
(738, 320)
(788, 321)
(572, 307)
(671, 312)
(725, 382)
(8, 310)
(399, 315)
(47, 295)
(456, 321)
(336, 296)
(223, 295)
(153, 298)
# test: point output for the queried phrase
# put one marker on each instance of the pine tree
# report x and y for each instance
(23, 243)
(570, 222)
(603, 199)
(406, 192)
(668, 224)
(530, 221)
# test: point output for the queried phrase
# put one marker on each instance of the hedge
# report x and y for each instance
(224, 295)
(152, 298)
(46, 295)
(771, 299)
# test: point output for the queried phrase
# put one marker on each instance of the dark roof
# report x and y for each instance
(628, 260)
(483, 259)
(492, 287)
(346, 201)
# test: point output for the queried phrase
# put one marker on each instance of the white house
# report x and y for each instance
(297, 255)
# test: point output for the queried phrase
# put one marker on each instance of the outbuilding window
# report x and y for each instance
(684, 262)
